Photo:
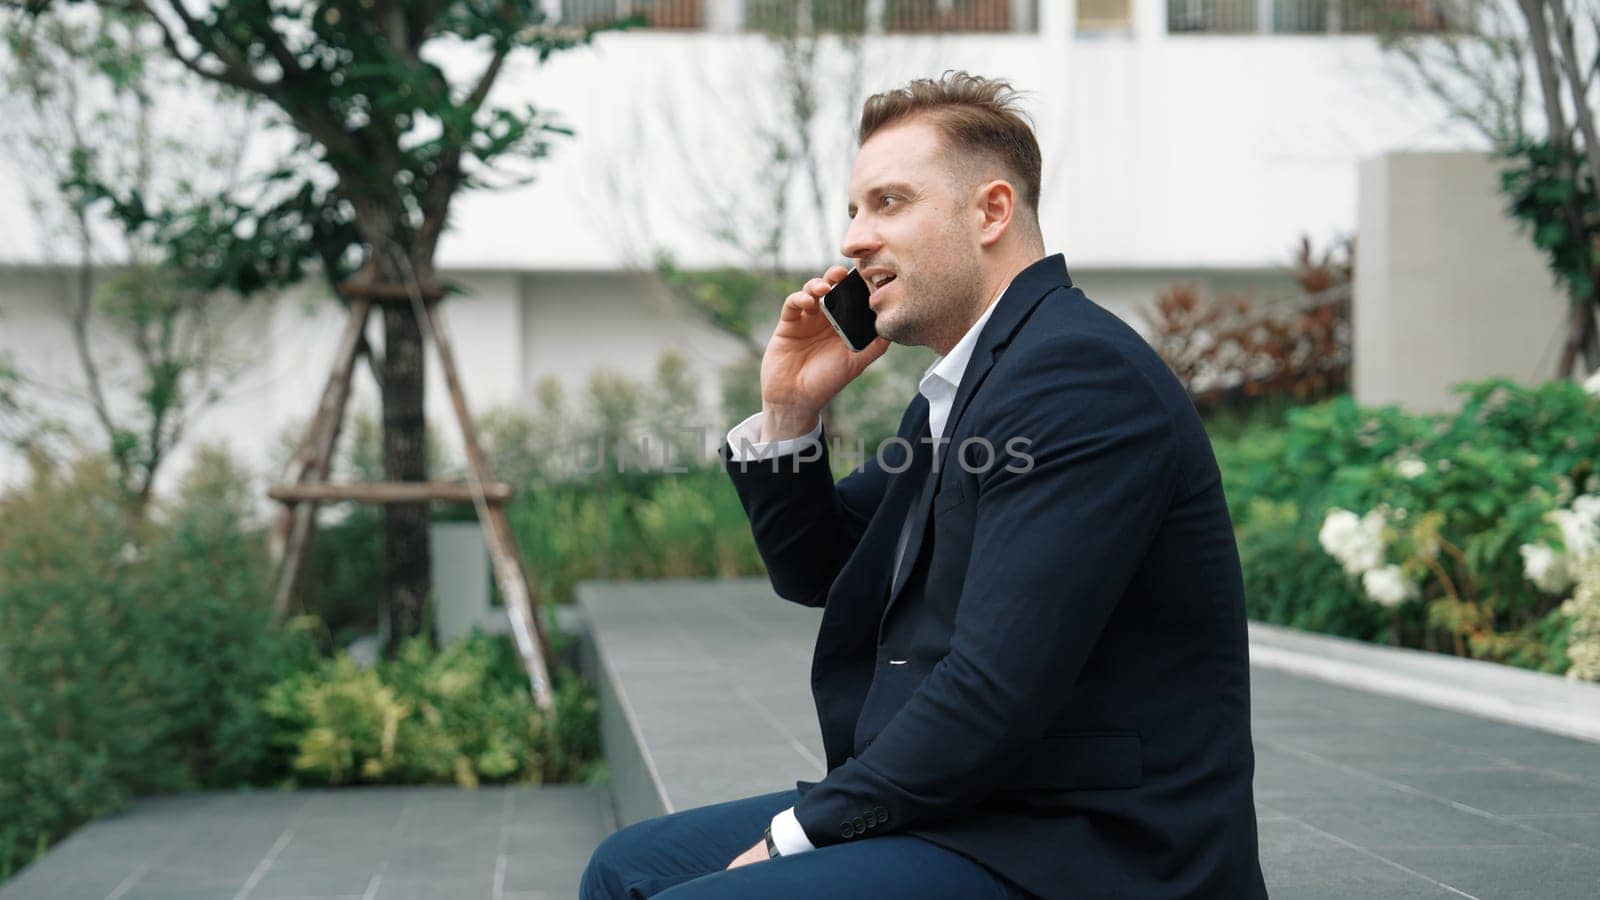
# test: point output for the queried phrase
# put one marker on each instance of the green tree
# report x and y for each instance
(385, 139)
(9, 405)
(84, 90)
(790, 203)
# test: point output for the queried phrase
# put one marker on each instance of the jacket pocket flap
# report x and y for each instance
(1081, 762)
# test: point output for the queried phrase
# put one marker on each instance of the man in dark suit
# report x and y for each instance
(1031, 672)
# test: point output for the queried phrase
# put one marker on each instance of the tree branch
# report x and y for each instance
(237, 77)
(447, 174)
(1582, 111)
(1549, 80)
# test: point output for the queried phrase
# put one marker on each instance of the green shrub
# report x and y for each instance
(1289, 580)
(462, 714)
(133, 651)
(1449, 501)
(637, 525)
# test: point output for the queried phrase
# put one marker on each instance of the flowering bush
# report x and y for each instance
(1555, 569)
(1583, 642)
(1451, 532)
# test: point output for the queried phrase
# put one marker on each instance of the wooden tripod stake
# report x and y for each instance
(307, 476)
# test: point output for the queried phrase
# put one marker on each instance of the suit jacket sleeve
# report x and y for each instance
(1054, 547)
(805, 526)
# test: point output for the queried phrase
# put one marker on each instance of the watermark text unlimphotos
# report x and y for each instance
(975, 455)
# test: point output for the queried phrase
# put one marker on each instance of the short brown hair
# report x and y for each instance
(977, 115)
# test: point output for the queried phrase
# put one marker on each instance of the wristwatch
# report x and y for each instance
(772, 848)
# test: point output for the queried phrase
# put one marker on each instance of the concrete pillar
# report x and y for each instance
(1448, 288)
(1058, 22)
(1149, 20)
(461, 579)
(724, 16)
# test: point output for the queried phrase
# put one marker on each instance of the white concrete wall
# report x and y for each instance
(1447, 288)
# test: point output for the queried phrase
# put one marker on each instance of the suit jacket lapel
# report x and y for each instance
(846, 626)
(919, 518)
(1014, 306)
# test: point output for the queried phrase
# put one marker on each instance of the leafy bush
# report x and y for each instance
(1426, 514)
(643, 525)
(461, 714)
(133, 651)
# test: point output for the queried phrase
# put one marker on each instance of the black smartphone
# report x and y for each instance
(849, 313)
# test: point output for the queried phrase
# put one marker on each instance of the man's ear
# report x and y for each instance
(996, 202)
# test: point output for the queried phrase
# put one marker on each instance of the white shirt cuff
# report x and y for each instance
(788, 836)
(744, 442)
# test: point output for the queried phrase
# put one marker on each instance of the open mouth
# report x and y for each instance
(878, 282)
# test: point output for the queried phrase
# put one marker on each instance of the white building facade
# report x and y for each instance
(1183, 140)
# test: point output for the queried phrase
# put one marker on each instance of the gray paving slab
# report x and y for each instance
(1359, 794)
(376, 843)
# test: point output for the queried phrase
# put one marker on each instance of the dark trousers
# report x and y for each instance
(684, 856)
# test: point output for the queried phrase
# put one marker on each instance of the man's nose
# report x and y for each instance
(860, 239)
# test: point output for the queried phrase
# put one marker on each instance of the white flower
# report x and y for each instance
(1580, 536)
(1591, 385)
(1588, 506)
(1583, 638)
(1411, 468)
(1388, 586)
(1337, 529)
(129, 553)
(1356, 542)
(1546, 568)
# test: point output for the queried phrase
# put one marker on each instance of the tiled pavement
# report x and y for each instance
(1358, 795)
(415, 843)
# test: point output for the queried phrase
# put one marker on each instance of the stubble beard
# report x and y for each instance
(933, 306)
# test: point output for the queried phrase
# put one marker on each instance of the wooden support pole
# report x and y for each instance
(291, 532)
(521, 604)
(390, 492)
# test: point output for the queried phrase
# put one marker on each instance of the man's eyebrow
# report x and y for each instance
(898, 187)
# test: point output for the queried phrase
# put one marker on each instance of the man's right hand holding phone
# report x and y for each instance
(806, 364)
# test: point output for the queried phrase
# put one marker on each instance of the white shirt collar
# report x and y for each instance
(943, 378)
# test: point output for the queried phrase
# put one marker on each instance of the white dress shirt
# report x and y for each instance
(939, 384)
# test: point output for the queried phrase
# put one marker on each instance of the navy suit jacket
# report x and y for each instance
(1069, 697)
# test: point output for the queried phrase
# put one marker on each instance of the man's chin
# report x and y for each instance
(898, 331)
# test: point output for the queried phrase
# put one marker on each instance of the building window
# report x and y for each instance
(688, 14)
(1304, 16)
(891, 16)
(782, 16)
(1103, 15)
(947, 15)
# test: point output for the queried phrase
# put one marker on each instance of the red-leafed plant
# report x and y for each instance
(1231, 349)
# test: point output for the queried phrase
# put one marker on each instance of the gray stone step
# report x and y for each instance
(705, 697)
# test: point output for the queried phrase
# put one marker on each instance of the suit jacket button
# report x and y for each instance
(847, 830)
(883, 814)
(872, 819)
(861, 826)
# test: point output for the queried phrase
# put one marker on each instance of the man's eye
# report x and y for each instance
(884, 200)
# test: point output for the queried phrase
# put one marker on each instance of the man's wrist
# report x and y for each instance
(783, 424)
(788, 838)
